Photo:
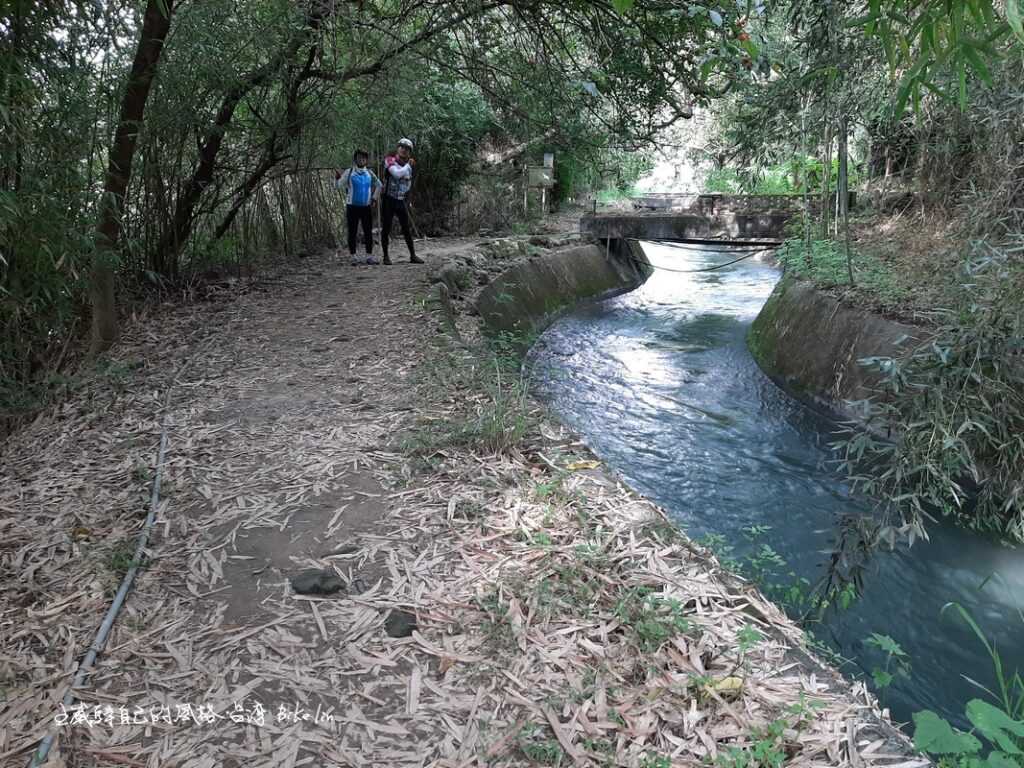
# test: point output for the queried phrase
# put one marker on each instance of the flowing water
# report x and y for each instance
(660, 384)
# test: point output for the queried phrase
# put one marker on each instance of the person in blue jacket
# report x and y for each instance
(361, 187)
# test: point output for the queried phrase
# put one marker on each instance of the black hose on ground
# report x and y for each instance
(100, 640)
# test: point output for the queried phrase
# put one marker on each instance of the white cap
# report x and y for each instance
(405, 143)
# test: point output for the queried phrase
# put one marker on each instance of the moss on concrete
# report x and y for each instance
(761, 340)
(811, 345)
(525, 299)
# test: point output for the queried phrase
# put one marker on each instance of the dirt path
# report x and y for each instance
(505, 602)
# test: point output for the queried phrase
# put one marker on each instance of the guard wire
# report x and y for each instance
(705, 269)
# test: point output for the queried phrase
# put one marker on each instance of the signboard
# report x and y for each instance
(549, 159)
(540, 176)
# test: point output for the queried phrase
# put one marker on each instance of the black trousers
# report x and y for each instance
(389, 209)
(354, 216)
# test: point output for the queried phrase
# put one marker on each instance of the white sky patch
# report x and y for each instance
(675, 169)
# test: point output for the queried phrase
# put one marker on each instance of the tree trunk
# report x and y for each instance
(155, 25)
(11, 150)
(826, 181)
(843, 192)
(806, 185)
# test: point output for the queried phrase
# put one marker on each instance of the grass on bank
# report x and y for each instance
(487, 409)
(824, 263)
(910, 267)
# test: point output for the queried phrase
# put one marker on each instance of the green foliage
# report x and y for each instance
(492, 412)
(825, 264)
(254, 105)
(926, 40)
(723, 181)
(777, 580)
(749, 638)
(897, 663)
(969, 163)
(794, 176)
(121, 558)
(768, 747)
(767, 750)
(655, 761)
(934, 735)
(584, 167)
(538, 749)
(497, 422)
(1009, 693)
(996, 726)
(615, 195)
(957, 402)
(652, 618)
(1000, 724)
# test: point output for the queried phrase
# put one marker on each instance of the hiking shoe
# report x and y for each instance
(372, 260)
(414, 259)
(387, 259)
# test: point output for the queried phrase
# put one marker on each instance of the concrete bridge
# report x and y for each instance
(726, 218)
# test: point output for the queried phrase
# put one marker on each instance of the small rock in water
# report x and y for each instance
(317, 582)
(400, 624)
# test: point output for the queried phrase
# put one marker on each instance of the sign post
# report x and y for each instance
(541, 177)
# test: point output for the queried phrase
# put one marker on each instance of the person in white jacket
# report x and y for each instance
(398, 173)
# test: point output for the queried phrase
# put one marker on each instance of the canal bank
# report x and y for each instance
(531, 279)
(660, 383)
(812, 345)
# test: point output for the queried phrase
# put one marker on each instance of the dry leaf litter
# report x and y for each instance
(546, 613)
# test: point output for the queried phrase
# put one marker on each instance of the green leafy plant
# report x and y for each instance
(1009, 693)
(652, 618)
(767, 750)
(121, 558)
(897, 663)
(1000, 724)
(749, 637)
(542, 539)
(803, 711)
(934, 735)
(655, 761)
(924, 40)
(536, 748)
(770, 571)
(724, 551)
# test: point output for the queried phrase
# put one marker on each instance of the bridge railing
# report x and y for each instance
(711, 203)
